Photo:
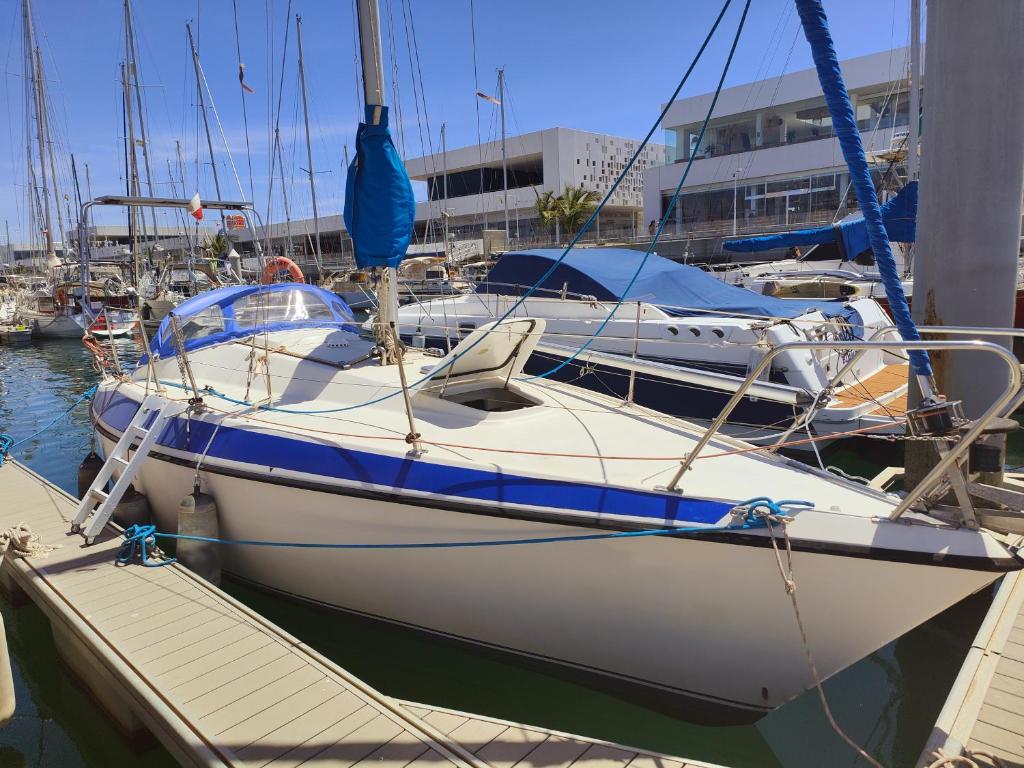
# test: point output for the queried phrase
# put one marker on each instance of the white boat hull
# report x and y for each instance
(650, 614)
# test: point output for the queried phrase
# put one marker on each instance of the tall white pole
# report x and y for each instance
(504, 157)
(915, 89)
(309, 148)
(368, 15)
(735, 197)
(444, 204)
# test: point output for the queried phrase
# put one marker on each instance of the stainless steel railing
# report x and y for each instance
(1010, 398)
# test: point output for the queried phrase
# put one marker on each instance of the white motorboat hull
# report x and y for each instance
(52, 326)
(705, 624)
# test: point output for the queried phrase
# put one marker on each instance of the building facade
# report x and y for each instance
(769, 159)
(538, 162)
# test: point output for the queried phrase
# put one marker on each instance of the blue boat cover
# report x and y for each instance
(899, 215)
(238, 311)
(826, 61)
(604, 273)
(380, 208)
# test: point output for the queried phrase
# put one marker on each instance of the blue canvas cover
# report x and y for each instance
(238, 311)
(604, 273)
(844, 123)
(380, 208)
(899, 215)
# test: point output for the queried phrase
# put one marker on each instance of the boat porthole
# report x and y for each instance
(673, 330)
(718, 332)
(695, 331)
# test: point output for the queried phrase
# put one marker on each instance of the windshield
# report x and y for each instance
(236, 312)
(281, 307)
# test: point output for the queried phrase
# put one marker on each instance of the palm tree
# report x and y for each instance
(546, 209)
(573, 207)
(216, 245)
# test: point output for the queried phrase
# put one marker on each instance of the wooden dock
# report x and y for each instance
(984, 712)
(165, 652)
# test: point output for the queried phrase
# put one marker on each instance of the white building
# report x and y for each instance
(539, 161)
(769, 158)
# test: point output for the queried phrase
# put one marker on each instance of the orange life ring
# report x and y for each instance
(279, 263)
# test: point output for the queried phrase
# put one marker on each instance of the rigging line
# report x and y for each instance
(227, 151)
(241, 88)
(276, 116)
(396, 95)
(575, 239)
(476, 103)
(672, 203)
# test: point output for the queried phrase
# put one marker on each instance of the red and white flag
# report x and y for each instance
(491, 99)
(195, 207)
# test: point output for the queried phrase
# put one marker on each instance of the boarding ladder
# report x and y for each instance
(97, 505)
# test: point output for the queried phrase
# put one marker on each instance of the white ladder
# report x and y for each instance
(97, 506)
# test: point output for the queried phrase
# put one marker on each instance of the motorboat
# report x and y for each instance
(302, 435)
(421, 278)
(354, 287)
(835, 261)
(675, 339)
(169, 286)
(57, 310)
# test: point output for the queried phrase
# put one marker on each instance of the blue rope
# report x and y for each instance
(8, 443)
(140, 539)
(668, 209)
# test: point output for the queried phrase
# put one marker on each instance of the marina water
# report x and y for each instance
(887, 702)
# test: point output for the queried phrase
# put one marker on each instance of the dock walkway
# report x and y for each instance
(218, 685)
(984, 712)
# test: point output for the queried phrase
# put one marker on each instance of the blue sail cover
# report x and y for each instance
(380, 208)
(604, 273)
(899, 215)
(844, 123)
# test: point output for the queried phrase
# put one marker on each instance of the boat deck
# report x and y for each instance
(877, 388)
(984, 712)
(217, 684)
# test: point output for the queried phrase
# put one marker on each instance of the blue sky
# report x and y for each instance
(589, 64)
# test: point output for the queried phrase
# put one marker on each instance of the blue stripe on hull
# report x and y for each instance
(418, 475)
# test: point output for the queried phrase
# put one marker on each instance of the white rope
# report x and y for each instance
(19, 541)
(967, 760)
(786, 571)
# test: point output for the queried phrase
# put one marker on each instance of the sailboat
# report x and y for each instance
(525, 515)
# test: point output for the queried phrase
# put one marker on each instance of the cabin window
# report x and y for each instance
(197, 326)
(281, 307)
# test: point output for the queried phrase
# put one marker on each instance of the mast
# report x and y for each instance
(133, 74)
(284, 195)
(202, 109)
(444, 183)
(368, 15)
(341, 234)
(504, 157)
(44, 114)
(32, 60)
(309, 147)
(133, 172)
(915, 89)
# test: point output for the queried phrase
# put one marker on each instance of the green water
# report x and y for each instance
(887, 702)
